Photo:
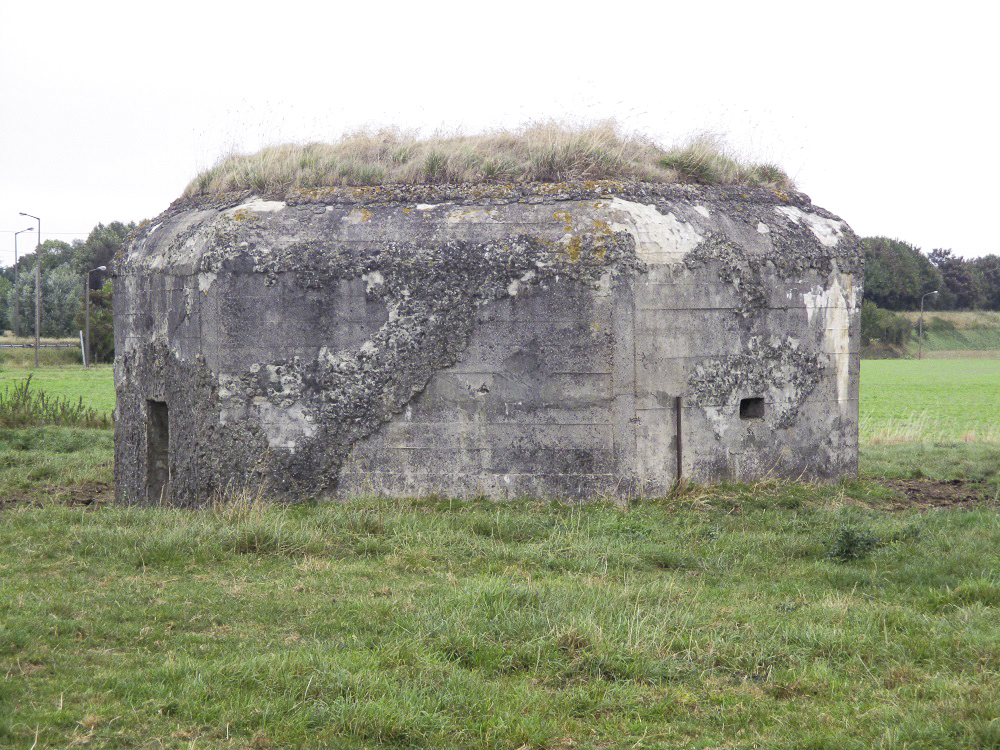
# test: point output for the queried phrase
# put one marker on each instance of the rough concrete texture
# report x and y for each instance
(503, 340)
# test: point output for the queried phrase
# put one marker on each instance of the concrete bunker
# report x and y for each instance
(493, 339)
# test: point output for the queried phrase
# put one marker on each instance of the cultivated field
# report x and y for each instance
(854, 615)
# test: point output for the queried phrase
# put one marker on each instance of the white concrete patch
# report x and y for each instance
(832, 308)
(470, 216)
(372, 280)
(428, 206)
(357, 216)
(762, 227)
(260, 205)
(720, 419)
(703, 211)
(154, 228)
(515, 286)
(205, 281)
(827, 231)
(659, 238)
(285, 426)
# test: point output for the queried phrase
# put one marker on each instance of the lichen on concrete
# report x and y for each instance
(431, 294)
(504, 339)
(781, 371)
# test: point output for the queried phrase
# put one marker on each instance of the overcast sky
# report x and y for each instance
(884, 113)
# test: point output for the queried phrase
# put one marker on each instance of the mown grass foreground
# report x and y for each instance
(767, 615)
(772, 615)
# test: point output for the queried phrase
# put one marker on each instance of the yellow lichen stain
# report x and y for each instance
(573, 248)
(782, 195)
(366, 215)
(366, 192)
(603, 232)
(241, 214)
(492, 190)
(603, 186)
(599, 204)
(564, 217)
(407, 210)
(595, 326)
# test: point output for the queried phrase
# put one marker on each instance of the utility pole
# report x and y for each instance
(17, 328)
(38, 283)
(38, 304)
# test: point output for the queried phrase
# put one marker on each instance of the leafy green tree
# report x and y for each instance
(99, 249)
(23, 297)
(897, 274)
(883, 325)
(6, 286)
(987, 268)
(102, 328)
(962, 286)
(62, 298)
(63, 266)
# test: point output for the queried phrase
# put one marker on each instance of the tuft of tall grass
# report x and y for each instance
(922, 427)
(20, 406)
(541, 152)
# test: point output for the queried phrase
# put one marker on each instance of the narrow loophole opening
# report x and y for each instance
(157, 452)
(752, 408)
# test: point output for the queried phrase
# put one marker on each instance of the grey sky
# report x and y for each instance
(883, 113)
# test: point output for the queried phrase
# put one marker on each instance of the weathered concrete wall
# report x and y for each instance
(499, 340)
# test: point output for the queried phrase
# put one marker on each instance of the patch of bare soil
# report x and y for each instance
(93, 493)
(932, 493)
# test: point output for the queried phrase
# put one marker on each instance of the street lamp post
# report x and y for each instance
(86, 314)
(920, 331)
(38, 283)
(17, 328)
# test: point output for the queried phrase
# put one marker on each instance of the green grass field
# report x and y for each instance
(775, 615)
(95, 385)
(921, 400)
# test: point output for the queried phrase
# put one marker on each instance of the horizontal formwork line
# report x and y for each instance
(516, 376)
(732, 308)
(494, 474)
(485, 449)
(727, 355)
(484, 423)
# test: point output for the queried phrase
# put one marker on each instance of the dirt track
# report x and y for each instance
(930, 493)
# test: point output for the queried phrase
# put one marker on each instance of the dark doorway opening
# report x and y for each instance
(752, 408)
(157, 452)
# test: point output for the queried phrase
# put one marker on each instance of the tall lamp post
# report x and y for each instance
(17, 329)
(86, 314)
(38, 283)
(920, 331)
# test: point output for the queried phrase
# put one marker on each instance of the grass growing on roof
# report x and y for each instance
(549, 152)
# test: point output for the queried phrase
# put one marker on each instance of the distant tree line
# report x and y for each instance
(62, 268)
(897, 275)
